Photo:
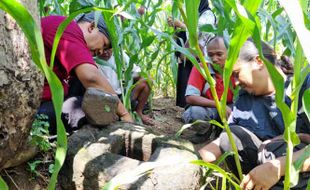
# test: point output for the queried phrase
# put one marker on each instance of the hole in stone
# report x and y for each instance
(2, 136)
(136, 149)
(11, 118)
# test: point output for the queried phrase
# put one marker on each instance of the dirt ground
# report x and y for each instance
(167, 116)
(168, 119)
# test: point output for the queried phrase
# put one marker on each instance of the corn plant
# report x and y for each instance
(150, 44)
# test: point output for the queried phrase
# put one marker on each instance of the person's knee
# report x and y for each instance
(194, 113)
(210, 152)
(224, 142)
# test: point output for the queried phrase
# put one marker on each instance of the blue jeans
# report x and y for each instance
(194, 113)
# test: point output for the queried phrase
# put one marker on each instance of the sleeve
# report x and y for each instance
(196, 80)
(73, 51)
(192, 91)
(207, 17)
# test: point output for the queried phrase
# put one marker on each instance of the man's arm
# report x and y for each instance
(204, 102)
(90, 76)
(268, 174)
(200, 101)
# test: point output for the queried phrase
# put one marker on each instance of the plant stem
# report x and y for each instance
(288, 160)
(291, 127)
(235, 150)
(183, 15)
(219, 108)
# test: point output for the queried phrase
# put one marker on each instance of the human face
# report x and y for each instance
(106, 54)
(217, 52)
(96, 41)
(252, 76)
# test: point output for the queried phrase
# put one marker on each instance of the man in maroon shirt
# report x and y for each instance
(81, 40)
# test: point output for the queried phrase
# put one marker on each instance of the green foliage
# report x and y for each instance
(149, 43)
(39, 132)
(192, 21)
(3, 185)
(306, 102)
(298, 164)
(58, 7)
(33, 167)
(218, 169)
(207, 123)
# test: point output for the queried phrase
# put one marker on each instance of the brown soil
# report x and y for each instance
(167, 116)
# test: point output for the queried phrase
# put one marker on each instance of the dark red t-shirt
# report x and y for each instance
(72, 50)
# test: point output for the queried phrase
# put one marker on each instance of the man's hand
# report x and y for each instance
(170, 21)
(175, 23)
(263, 176)
(127, 118)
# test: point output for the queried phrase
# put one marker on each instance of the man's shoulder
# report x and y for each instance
(53, 19)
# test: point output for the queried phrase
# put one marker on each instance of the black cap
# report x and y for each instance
(90, 17)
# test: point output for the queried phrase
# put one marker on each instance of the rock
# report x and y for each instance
(95, 156)
(99, 107)
(180, 175)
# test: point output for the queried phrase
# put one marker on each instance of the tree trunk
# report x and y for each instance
(20, 89)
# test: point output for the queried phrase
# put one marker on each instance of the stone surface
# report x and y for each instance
(95, 156)
(99, 107)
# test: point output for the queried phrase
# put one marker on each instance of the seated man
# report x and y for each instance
(140, 93)
(255, 118)
(81, 40)
(198, 93)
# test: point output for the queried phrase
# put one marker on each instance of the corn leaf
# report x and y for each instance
(295, 13)
(218, 169)
(186, 126)
(192, 17)
(3, 185)
(80, 4)
(219, 161)
(298, 164)
(306, 103)
(180, 49)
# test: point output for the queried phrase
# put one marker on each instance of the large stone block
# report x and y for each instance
(95, 156)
